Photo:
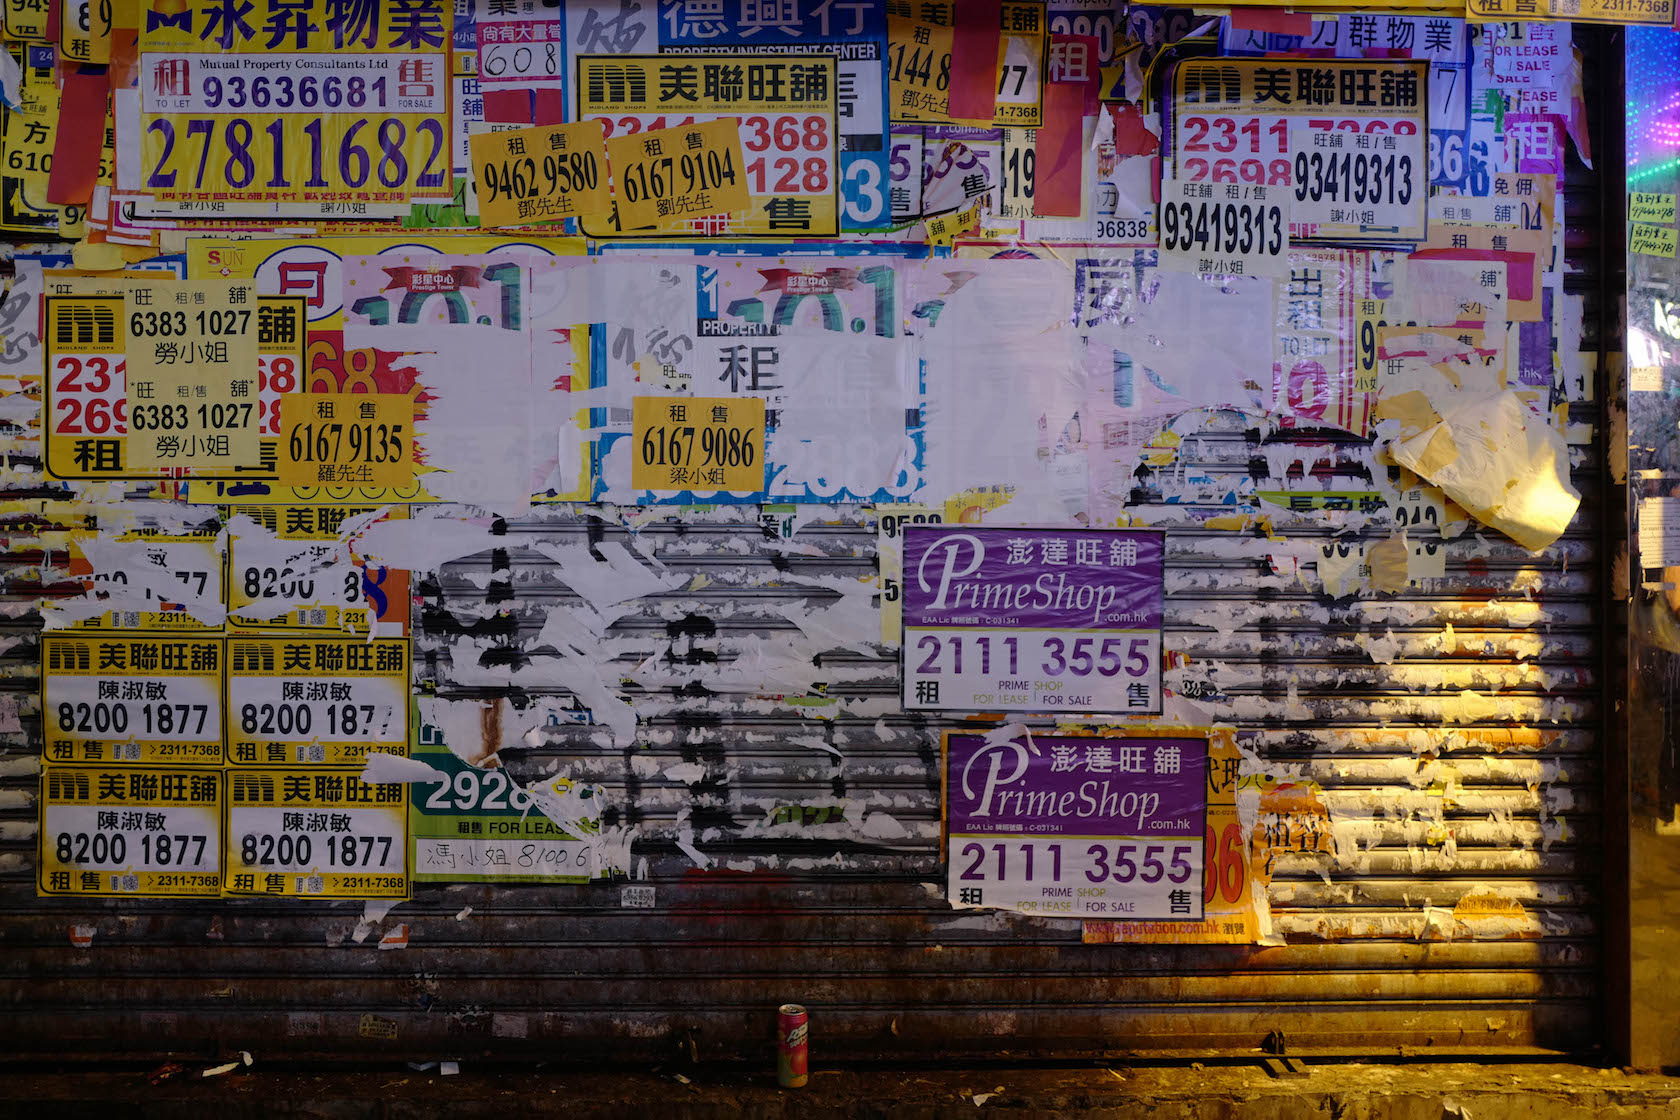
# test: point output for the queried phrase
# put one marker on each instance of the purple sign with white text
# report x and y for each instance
(1032, 620)
(1080, 826)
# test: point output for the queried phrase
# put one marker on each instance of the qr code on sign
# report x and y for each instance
(127, 752)
(314, 752)
(310, 884)
(125, 882)
(128, 620)
(317, 617)
(1567, 7)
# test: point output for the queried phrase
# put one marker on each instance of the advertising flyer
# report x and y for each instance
(541, 174)
(315, 833)
(1658, 12)
(293, 110)
(855, 34)
(320, 700)
(1349, 136)
(25, 19)
(783, 107)
(889, 559)
(1032, 620)
(686, 171)
(1076, 826)
(364, 441)
(992, 76)
(715, 443)
(165, 568)
(1232, 229)
(131, 832)
(287, 571)
(1229, 914)
(474, 825)
(87, 395)
(192, 375)
(152, 700)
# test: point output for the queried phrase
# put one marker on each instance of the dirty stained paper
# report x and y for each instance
(1502, 463)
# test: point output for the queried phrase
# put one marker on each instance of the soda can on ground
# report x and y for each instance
(792, 1046)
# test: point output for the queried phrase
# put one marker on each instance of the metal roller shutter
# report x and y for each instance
(838, 902)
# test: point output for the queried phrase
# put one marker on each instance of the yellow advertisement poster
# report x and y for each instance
(25, 19)
(291, 581)
(1228, 876)
(23, 206)
(314, 834)
(149, 700)
(162, 570)
(711, 443)
(1658, 12)
(889, 552)
(783, 107)
(29, 133)
(1372, 318)
(919, 64)
(24, 210)
(674, 173)
(329, 701)
(920, 76)
(944, 229)
(543, 174)
(1653, 241)
(130, 833)
(86, 393)
(84, 31)
(340, 439)
(192, 375)
(287, 108)
(1647, 207)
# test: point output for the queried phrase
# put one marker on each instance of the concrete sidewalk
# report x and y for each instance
(1404, 1091)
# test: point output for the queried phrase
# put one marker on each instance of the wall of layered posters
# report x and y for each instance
(427, 417)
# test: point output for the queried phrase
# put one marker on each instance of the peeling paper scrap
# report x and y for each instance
(420, 544)
(128, 578)
(373, 912)
(9, 722)
(383, 767)
(685, 844)
(1387, 561)
(1502, 463)
(1339, 568)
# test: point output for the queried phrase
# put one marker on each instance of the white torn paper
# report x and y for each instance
(476, 434)
(422, 543)
(383, 766)
(373, 912)
(1004, 381)
(129, 579)
(619, 579)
